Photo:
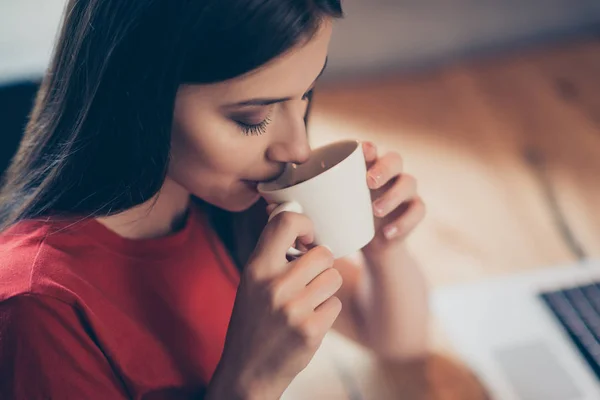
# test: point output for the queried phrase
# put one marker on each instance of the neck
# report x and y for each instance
(160, 216)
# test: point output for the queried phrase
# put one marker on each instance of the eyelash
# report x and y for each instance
(261, 128)
(255, 129)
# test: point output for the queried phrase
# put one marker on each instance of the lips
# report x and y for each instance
(254, 183)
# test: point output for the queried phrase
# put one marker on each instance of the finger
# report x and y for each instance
(323, 287)
(302, 243)
(278, 236)
(385, 169)
(323, 318)
(304, 270)
(401, 191)
(403, 225)
(370, 152)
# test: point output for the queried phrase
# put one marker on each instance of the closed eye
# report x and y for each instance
(254, 129)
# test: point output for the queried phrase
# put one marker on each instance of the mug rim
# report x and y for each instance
(340, 142)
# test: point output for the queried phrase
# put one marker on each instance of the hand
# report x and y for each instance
(282, 312)
(396, 205)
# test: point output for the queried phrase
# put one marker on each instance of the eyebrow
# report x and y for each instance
(269, 101)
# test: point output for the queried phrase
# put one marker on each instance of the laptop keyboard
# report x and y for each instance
(578, 311)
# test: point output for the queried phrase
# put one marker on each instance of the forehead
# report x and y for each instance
(290, 74)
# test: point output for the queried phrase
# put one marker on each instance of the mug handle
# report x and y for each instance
(290, 206)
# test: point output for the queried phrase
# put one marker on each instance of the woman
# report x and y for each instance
(113, 283)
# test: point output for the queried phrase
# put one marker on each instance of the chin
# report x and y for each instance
(235, 202)
(239, 205)
(234, 198)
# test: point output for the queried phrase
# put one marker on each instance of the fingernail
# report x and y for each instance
(378, 208)
(373, 180)
(390, 232)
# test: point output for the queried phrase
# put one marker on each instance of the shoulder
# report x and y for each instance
(47, 352)
(28, 260)
(22, 312)
(26, 317)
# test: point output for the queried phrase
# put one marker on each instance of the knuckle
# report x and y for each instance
(274, 295)
(253, 274)
(324, 254)
(310, 334)
(290, 220)
(338, 279)
(410, 182)
(334, 278)
(290, 313)
(285, 219)
(250, 274)
(395, 159)
(258, 272)
(336, 305)
(409, 179)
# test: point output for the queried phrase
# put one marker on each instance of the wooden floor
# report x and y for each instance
(507, 154)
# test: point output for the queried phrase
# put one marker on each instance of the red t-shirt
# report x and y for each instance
(88, 314)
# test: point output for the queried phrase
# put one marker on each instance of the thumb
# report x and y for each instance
(279, 235)
(271, 208)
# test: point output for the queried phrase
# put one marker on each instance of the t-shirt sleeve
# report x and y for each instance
(47, 353)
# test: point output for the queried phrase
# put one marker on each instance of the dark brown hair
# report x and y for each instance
(98, 139)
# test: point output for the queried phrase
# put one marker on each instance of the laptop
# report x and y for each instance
(533, 336)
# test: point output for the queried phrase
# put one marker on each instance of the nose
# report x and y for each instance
(291, 145)
(293, 151)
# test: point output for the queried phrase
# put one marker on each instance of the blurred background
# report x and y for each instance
(494, 105)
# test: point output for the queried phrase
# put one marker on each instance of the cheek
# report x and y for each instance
(206, 150)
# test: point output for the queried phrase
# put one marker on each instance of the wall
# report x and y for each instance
(384, 34)
(376, 35)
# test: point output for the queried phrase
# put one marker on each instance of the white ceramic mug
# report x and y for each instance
(331, 189)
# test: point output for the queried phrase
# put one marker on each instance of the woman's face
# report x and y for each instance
(229, 135)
